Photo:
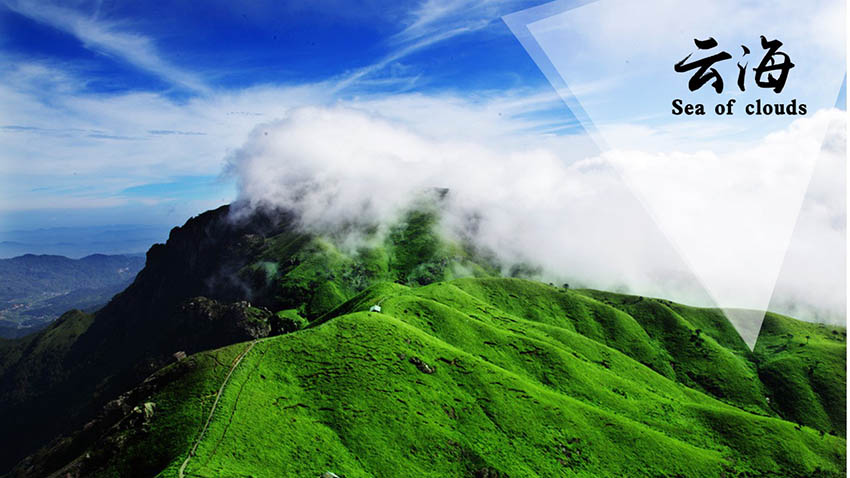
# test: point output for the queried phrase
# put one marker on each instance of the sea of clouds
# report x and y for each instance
(564, 206)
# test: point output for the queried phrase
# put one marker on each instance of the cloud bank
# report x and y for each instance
(64, 148)
(565, 209)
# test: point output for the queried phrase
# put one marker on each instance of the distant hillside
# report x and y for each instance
(36, 289)
(406, 355)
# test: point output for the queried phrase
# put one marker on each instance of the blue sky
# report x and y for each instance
(222, 47)
(124, 112)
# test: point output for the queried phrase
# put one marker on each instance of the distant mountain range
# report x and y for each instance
(77, 242)
(37, 289)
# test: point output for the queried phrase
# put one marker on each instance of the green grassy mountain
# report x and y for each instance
(460, 373)
(216, 281)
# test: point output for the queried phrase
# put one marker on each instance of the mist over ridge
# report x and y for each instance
(534, 202)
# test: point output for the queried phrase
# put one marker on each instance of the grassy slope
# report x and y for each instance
(529, 380)
(51, 347)
(144, 446)
(802, 379)
(186, 406)
(804, 366)
(73, 367)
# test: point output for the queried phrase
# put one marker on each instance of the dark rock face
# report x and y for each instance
(209, 321)
(46, 390)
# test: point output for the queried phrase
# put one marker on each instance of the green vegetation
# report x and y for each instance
(803, 366)
(51, 346)
(496, 377)
(456, 373)
(313, 274)
(171, 416)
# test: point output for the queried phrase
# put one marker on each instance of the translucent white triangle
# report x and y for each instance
(747, 323)
(725, 189)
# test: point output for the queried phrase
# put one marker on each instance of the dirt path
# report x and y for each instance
(212, 410)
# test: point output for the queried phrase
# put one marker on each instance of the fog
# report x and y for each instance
(563, 208)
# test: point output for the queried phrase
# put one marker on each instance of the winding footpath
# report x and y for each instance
(214, 405)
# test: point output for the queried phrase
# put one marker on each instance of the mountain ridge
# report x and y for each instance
(220, 281)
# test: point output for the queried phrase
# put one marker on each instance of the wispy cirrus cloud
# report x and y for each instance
(108, 38)
(57, 136)
(433, 22)
(432, 17)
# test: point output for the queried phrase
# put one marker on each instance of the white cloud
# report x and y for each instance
(432, 16)
(549, 203)
(432, 22)
(107, 38)
(57, 138)
(545, 198)
(814, 270)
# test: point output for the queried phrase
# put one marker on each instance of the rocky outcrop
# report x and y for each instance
(206, 321)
